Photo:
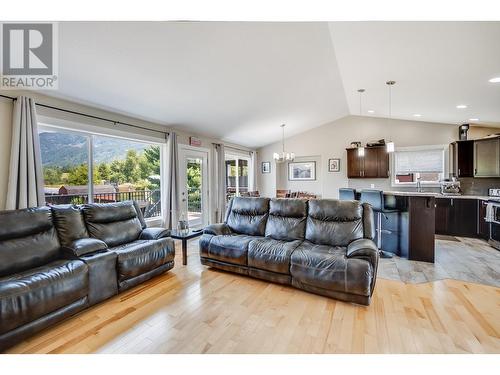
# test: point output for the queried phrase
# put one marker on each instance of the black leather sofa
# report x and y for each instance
(321, 246)
(57, 261)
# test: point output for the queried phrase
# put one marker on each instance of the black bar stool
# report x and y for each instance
(376, 199)
(347, 194)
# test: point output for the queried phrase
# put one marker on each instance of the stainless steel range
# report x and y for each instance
(493, 217)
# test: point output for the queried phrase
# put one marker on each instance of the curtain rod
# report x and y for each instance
(235, 148)
(91, 116)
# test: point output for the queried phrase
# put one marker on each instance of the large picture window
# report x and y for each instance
(424, 164)
(82, 167)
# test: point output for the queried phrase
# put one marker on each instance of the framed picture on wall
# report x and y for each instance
(333, 165)
(302, 171)
(266, 167)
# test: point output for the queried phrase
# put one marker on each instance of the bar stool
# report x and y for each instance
(347, 194)
(376, 199)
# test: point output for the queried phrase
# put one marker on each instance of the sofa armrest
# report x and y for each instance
(364, 248)
(85, 246)
(218, 229)
(154, 233)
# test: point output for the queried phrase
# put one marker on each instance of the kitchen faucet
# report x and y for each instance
(419, 185)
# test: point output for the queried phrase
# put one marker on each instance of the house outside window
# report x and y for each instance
(425, 164)
(81, 167)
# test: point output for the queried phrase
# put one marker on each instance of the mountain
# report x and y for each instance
(66, 149)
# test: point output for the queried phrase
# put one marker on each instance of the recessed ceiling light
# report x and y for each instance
(371, 111)
(461, 106)
(417, 115)
(473, 119)
(495, 80)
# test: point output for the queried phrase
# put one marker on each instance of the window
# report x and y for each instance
(237, 172)
(424, 164)
(81, 167)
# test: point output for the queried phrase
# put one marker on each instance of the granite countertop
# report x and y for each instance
(436, 195)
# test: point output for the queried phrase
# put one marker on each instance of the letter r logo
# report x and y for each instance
(27, 49)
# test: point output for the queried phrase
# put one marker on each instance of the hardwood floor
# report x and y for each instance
(193, 309)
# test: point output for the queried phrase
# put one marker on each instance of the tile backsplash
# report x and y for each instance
(478, 186)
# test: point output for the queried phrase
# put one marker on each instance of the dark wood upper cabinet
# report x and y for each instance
(462, 158)
(354, 164)
(374, 164)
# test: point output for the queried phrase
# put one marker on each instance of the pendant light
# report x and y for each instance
(390, 145)
(361, 149)
(283, 156)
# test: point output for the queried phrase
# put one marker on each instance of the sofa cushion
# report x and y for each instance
(271, 255)
(327, 267)
(334, 222)
(113, 223)
(230, 249)
(248, 215)
(287, 219)
(68, 220)
(29, 295)
(27, 240)
(141, 256)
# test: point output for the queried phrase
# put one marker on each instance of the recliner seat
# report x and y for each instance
(322, 246)
(56, 261)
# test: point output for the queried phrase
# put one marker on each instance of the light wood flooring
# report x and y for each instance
(193, 309)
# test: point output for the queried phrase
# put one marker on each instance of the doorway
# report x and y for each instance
(193, 174)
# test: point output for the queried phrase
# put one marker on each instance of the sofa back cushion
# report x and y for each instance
(113, 223)
(69, 223)
(287, 219)
(28, 239)
(248, 215)
(334, 222)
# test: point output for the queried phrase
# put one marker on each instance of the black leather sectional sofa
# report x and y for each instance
(57, 261)
(322, 246)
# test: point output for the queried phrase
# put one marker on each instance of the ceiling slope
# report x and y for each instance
(235, 81)
(437, 66)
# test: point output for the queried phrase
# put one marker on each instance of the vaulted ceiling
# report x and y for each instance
(239, 81)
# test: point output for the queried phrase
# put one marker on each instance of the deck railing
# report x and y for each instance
(148, 200)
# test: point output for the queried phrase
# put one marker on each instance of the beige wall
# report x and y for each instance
(330, 141)
(5, 127)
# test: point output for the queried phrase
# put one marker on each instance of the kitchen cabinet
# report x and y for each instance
(487, 157)
(374, 164)
(483, 227)
(457, 217)
(462, 158)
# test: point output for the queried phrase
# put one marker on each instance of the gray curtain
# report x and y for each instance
(25, 185)
(172, 191)
(220, 183)
(253, 176)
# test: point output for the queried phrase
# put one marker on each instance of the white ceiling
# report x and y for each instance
(436, 66)
(239, 81)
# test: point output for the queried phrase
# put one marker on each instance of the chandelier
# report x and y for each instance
(283, 156)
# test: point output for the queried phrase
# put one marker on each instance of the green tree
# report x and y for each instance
(104, 171)
(52, 175)
(78, 175)
(152, 155)
(116, 175)
(130, 169)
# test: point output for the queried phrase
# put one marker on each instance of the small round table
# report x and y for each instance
(184, 236)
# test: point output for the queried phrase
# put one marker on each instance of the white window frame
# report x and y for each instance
(230, 155)
(91, 134)
(443, 148)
